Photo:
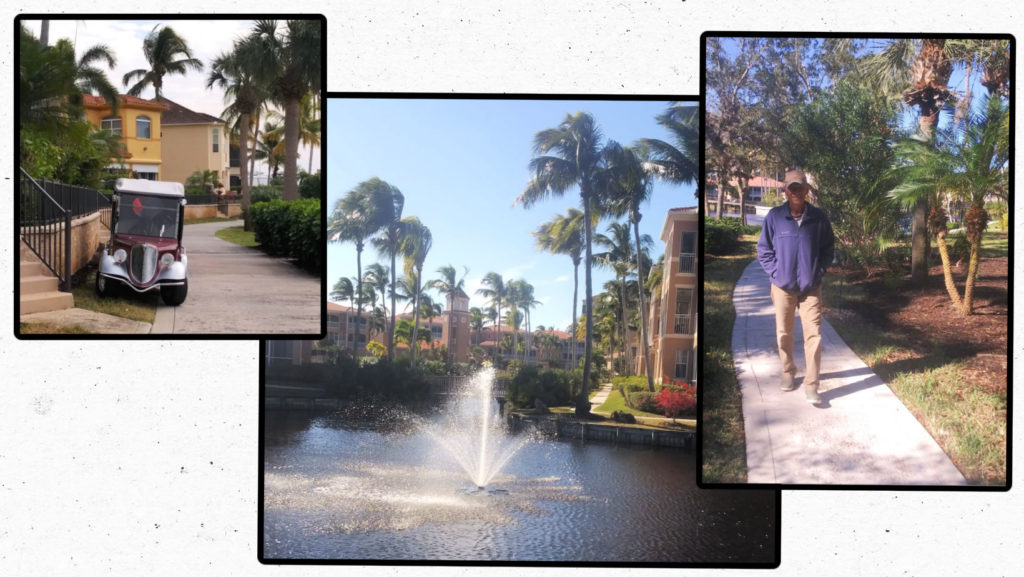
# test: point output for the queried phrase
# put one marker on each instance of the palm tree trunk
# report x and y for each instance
(575, 302)
(243, 169)
(622, 321)
(972, 276)
(291, 149)
(359, 294)
(583, 401)
(415, 320)
(256, 139)
(643, 315)
(391, 327)
(919, 242)
(947, 271)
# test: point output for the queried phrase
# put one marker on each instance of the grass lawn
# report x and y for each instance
(51, 329)
(210, 219)
(931, 377)
(124, 302)
(723, 435)
(237, 235)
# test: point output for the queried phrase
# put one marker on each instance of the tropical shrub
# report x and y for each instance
(642, 401)
(293, 229)
(264, 193)
(676, 400)
(720, 237)
(623, 417)
(550, 386)
(309, 186)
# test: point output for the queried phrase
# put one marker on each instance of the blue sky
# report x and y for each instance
(461, 163)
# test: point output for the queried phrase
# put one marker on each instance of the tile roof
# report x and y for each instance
(126, 99)
(178, 114)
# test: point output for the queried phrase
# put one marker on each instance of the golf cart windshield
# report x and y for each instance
(147, 215)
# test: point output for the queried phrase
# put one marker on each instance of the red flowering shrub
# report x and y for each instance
(676, 399)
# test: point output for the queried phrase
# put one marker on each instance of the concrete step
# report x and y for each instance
(38, 284)
(33, 268)
(48, 301)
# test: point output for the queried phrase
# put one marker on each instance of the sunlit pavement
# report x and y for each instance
(859, 434)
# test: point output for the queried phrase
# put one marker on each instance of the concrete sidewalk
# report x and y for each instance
(860, 433)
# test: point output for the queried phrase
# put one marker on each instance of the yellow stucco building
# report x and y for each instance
(193, 141)
(138, 124)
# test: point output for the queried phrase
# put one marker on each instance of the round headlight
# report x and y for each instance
(120, 255)
(167, 260)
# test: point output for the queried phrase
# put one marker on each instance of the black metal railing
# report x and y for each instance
(45, 226)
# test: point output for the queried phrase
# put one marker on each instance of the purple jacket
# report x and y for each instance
(796, 257)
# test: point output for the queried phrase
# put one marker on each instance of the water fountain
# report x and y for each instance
(470, 433)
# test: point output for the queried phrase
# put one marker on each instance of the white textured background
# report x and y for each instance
(140, 458)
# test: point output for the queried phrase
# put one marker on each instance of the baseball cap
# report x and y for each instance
(796, 177)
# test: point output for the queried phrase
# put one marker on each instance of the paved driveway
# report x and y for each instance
(240, 291)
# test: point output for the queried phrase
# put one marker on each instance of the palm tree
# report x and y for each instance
(616, 256)
(356, 217)
(525, 301)
(389, 242)
(675, 162)
(416, 242)
(293, 62)
(271, 146)
(495, 290)
(343, 290)
(568, 156)
(309, 127)
(476, 322)
(629, 187)
(167, 53)
(450, 286)
(564, 235)
(377, 276)
(968, 164)
(238, 73)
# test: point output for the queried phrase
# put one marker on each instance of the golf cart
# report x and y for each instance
(144, 251)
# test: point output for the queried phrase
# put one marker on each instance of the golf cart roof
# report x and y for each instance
(143, 186)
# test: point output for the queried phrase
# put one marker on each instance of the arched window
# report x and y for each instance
(111, 124)
(142, 127)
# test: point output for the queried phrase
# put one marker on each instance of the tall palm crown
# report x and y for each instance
(676, 162)
(293, 69)
(563, 234)
(238, 73)
(568, 156)
(493, 288)
(621, 256)
(167, 53)
(450, 286)
(357, 216)
(416, 243)
(389, 242)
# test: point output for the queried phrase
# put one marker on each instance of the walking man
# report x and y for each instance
(796, 247)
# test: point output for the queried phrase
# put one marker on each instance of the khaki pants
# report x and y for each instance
(809, 304)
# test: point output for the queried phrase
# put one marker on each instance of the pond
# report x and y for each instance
(343, 487)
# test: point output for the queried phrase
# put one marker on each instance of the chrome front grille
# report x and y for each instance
(143, 263)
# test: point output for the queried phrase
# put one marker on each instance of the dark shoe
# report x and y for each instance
(811, 391)
(788, 383)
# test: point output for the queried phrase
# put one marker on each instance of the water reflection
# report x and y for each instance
(341, 488)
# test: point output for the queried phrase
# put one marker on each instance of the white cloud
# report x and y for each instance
(562, 278)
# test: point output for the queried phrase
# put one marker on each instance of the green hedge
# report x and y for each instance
(553, 387)
(722, 236)
(292, 229)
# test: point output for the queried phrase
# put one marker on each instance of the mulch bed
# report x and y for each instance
(925, 323)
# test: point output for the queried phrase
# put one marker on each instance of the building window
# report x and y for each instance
(216, 140)
(688, 252)
(142, 127)
(279, 352)
(111, 124)
(684, 304)
(682, 362)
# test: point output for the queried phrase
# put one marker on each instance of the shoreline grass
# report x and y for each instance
(723, 435)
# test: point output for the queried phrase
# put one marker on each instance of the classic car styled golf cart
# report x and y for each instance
(144, 251)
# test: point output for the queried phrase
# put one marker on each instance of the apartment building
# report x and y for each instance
(138, 124)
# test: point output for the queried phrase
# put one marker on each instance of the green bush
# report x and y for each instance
(632, 384)
(309, 186)
(552, 387)
(642, 401)
(721, 236)
(264, 193)
(293, 229)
